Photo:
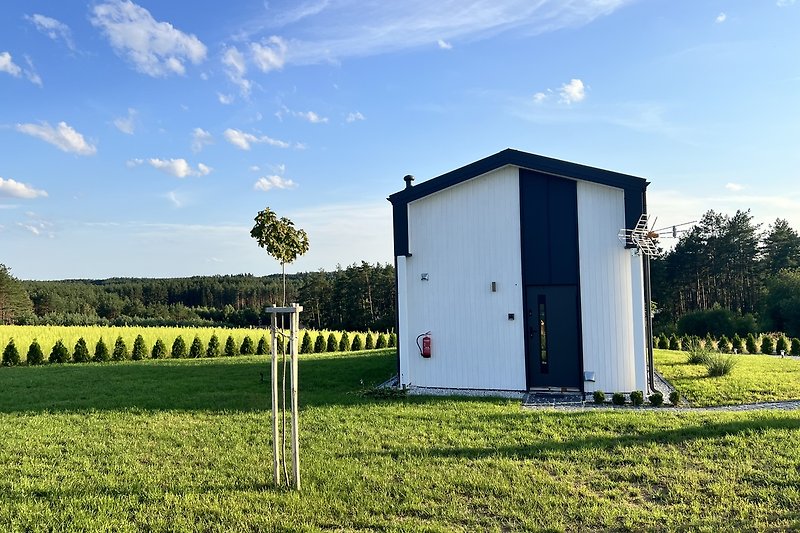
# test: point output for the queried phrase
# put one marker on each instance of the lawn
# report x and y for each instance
(755, 378)
(184, 445)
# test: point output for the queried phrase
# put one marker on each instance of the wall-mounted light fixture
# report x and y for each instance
(588, 376)
(423, 276)
(494, 286)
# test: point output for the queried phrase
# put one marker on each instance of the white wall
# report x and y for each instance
(464, 238)
(607, 296)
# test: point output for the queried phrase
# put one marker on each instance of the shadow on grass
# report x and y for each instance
(221, 384)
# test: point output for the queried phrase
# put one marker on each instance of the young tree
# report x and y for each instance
(369, 343)
(736, 343)
(59, 353)
(280, 239)
(139, 349)
(782, 345)
(159, 350)
(305, 345)
(358, 344)
(120, 352)
(247, 347)
(392, 340)
(178, 348)
(344, 342)
(767, 345)
(35, 354)
(262, 348)
(332, 345)
(10, 354)
(230, 347)
(81, 352)
(14, 300)
(101, 354)
(319, 343)
(213, 346)
(196, 350)
(381, 342)
(750, 343)
(795, 349)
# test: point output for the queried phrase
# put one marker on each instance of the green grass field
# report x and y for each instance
(755, 378)
(185, 445)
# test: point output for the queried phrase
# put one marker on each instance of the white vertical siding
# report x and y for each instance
(465, 237)
(402, 316)
(639, 336)
(606, 289)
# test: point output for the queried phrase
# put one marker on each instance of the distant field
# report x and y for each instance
(755, 378)
(184, 445)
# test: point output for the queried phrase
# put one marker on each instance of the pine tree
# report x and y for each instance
(306, 346)
(120, 350)
(101, 354)
(213, 346)
(663, 342)
(724, 345)
(319, 343)
(357, 343)
(332, 345)
(178, 348)
(674, 344)
(344, 342)
(10, 354)
(196, 349)
(230, 347)
(247, 346)
(736, 343)
(35, 354)
(369, 342)
(159, 350)
(750, 343)
(262, 348)
(381, 343)
(782, 345)
(708, 342)
(686, 343)
(81, 352)
(139, 349)
(767, 346)
(59, 353)
(795, 350)
(392, 339)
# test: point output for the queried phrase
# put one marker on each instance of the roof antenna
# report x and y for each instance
(408, 179)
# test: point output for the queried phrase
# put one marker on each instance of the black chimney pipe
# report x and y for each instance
(408, 179)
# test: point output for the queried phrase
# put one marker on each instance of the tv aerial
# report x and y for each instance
(646, 238)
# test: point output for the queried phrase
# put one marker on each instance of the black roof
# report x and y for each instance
(635, 187)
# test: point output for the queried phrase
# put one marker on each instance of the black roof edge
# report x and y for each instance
(527, 160)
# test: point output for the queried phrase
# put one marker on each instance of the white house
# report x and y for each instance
(513, 268)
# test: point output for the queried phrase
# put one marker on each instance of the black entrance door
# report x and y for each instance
(553, 344)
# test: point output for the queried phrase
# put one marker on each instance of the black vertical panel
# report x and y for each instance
(563, 231)
(534, 233)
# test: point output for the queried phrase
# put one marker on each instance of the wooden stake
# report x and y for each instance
(295, 410)
(276, 454)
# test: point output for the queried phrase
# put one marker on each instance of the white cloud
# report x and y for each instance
(539, 97)
(308, 116)
(444, 45)
(52, 28)
(270, 54)
(225, 99)
(155, 48)
(353, 117)
(180, 168)
(16, 189)
(126, 124)
(255, 168)
(200, 138)
(784, 3)
(721, 18)
(572, 92)
(273, 182)
(175, 199)
(735, 187)
(236, 68)
(31, 73)
(243, 140)
(63, 136)
(8, 66)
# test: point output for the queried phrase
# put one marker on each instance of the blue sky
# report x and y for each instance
(140, 139)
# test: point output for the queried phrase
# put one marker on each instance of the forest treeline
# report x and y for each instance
(729, 275)
(359, 297)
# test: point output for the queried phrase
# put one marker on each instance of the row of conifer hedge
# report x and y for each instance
(768, 343)
(179, 350)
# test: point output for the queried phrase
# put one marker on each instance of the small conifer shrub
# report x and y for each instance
(230, 347)
(159, 350)
(247, 347)
(213, 349)
(332, 346)
(392, 339)
(306, 346)
(736, 344)
(344, 342)
(369, 342)
(381, 342)
(782, 345)
(10, 354)
(101, 354)
(178, 348)
(724, 345)
(618, 398)
(81, 352)
(708, 342)
(656, 399)
(120, 352)
(686, 343)
(795, 349)
(196, 349)
(750, 343)
(262, 348)
(674, 343)
(59, 354)
(637, 397)
(35, 354)
(674, 398)
(767, 345)
(319, 343)
(599, 396)
(357, 343)
(139, 349)
(663, 342)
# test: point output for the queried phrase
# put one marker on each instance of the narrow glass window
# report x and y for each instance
(543, 361)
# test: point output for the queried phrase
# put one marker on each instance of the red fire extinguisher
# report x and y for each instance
(425, 348)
